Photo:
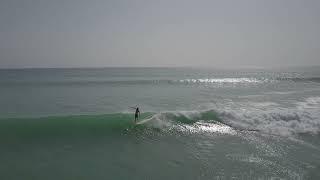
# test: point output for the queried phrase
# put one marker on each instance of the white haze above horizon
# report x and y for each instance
(147, 33)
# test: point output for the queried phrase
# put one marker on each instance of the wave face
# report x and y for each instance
(98, 125)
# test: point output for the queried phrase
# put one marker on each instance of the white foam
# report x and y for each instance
(222, 80)
(310, 103)
(268, 117)
(280, 92)
(274, 119)
(199, 127)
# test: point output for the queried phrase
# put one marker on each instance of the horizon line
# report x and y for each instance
(201, 67)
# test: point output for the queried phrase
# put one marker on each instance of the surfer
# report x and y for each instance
(136, 114)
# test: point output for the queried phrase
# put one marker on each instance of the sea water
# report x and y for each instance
(204, 123)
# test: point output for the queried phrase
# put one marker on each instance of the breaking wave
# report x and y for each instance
(274, 119)
(263, 117)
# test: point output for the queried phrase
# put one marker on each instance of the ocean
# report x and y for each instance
(203, 123)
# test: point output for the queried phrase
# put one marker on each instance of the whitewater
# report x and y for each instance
(203, 123)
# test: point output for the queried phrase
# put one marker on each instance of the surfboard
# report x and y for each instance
(144, 120)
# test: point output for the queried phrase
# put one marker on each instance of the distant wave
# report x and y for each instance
(300, 79)
(222, 80)
(86, 82)
(129, 82)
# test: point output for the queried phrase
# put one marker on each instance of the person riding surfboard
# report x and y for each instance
(136, 114)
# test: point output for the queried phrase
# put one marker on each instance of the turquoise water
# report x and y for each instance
(204, 123)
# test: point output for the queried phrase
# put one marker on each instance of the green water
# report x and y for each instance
(112, 146)
(204, 124)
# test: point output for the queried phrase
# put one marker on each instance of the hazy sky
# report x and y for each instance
(100, 33)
